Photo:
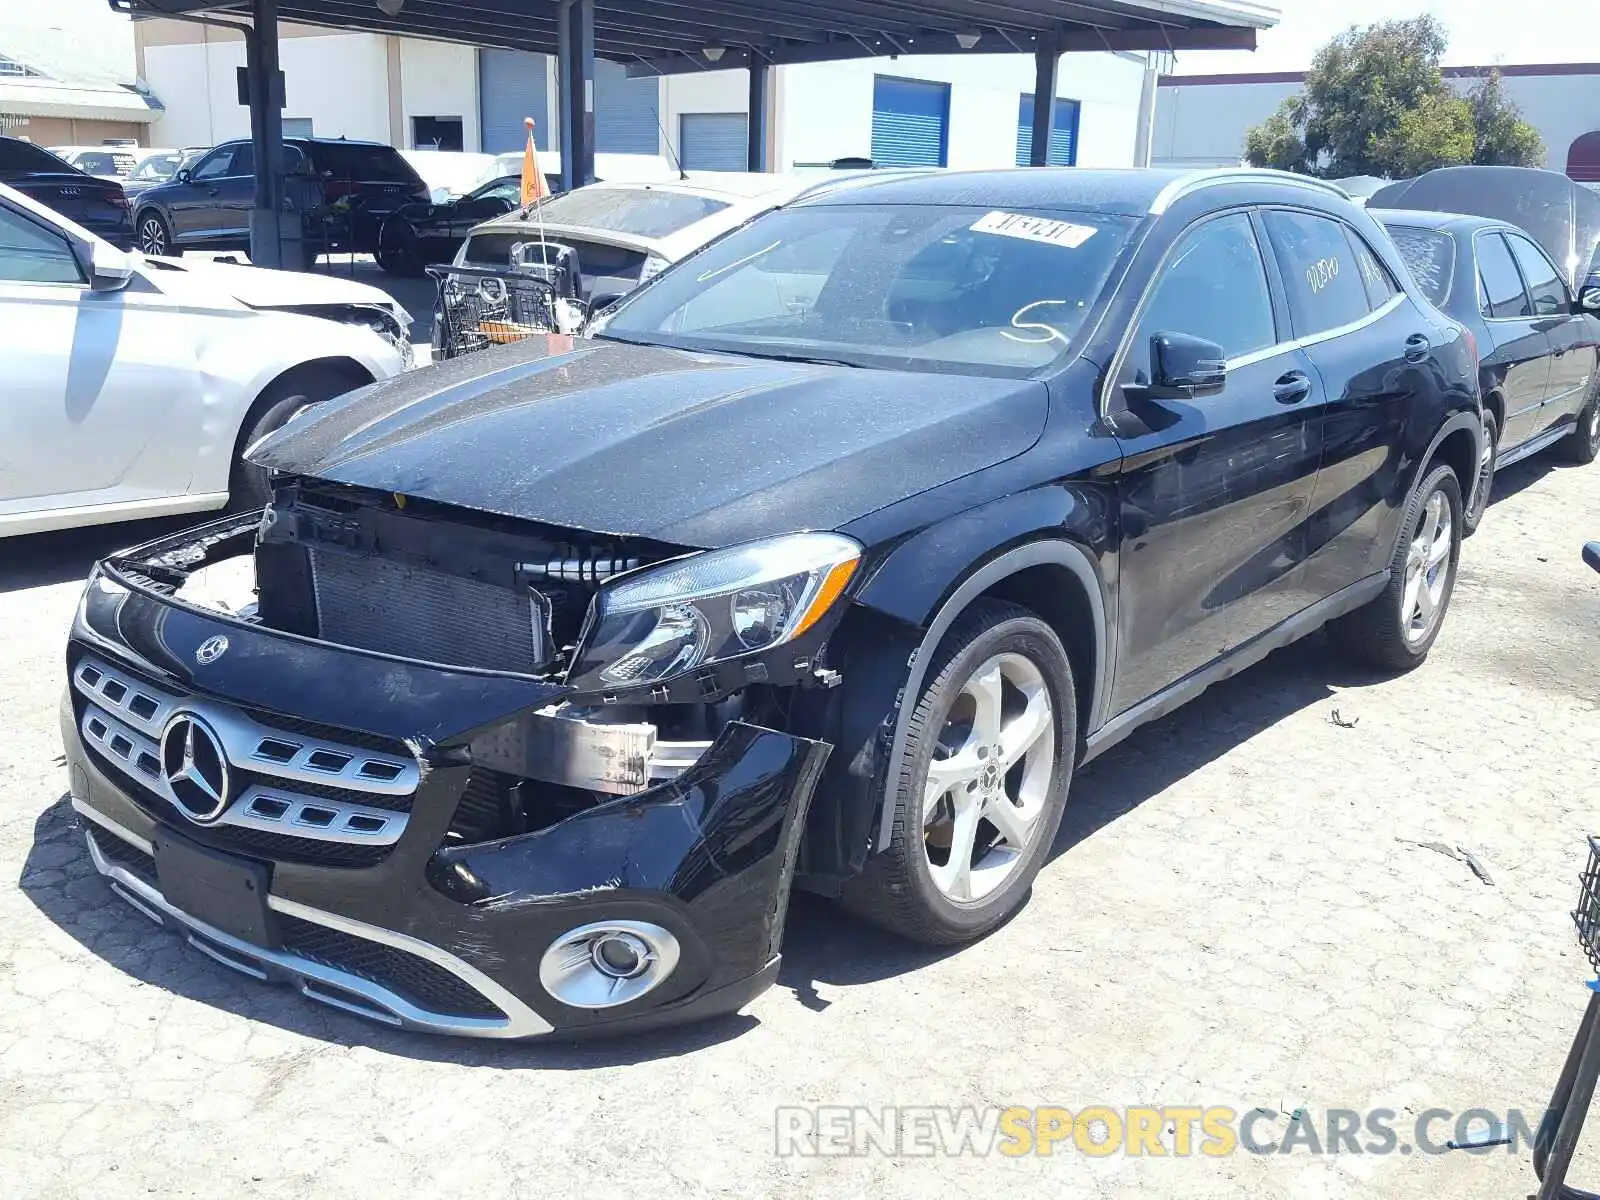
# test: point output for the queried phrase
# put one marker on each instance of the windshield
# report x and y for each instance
(963, 290)
(642, 212)
(1429, 255)
(158, 167)
(25, 156)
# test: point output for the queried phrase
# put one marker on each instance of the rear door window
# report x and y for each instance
(1500, 292)
(1379, 283)
(1550, 298)
(1320, 272)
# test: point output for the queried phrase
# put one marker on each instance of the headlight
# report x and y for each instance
(711, 607)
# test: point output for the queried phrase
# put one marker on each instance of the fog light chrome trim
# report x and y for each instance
(573, 971)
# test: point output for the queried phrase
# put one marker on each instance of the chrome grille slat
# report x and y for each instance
(243, 739)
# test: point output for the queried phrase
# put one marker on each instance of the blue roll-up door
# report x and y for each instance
(513, 84)
(626, 111)
(1063, 133)
(910, 122)
(713, 141)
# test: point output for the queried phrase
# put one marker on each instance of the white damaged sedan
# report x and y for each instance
(129, 386)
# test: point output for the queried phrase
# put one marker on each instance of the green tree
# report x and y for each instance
(1376, 103)
(1500, 135)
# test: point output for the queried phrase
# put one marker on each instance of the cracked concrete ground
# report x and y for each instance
(1252, 903)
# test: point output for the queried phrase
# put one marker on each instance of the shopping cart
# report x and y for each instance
(535, 293)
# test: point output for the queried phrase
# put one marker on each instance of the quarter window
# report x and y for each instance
(1500, 291)
(1549, 294)
(30, 253)
(1379, 283)
(1325, 282)
(1214, 286)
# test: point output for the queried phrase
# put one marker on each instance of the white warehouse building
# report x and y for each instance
(937, 110)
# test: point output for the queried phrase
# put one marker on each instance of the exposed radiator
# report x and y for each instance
(394, 608)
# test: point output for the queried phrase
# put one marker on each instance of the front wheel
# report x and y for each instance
(1395, 630)
(981, 785)
(250, 487)
(155, 238)
(1479, 501)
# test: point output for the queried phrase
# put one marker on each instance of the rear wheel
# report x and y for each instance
(982, 783)
(1396, 629)
(155, 237)
(1485, 485)
(397, 251)
(1582, 445)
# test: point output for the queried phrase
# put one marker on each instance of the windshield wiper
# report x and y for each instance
(814, 360)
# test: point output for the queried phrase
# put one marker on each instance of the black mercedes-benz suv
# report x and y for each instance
(823, 563)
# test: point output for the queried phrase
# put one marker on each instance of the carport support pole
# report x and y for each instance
(756, 154)
(275, 235)
(575, 91)
(1046, 58)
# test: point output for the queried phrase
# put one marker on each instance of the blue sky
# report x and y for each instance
(1480, 32)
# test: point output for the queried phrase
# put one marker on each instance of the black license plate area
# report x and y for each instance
(225, 892)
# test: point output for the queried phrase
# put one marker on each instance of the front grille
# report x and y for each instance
(423, 983)
(124, 854)
(394, 608)
(329, 733)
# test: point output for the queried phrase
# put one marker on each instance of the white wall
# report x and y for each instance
(1203, 125)
(339, 81)
(1560, 107)
(825, 109)
(438, 79)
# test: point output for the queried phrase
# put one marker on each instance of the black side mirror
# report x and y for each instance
(1183, 367)
(181, 175)
(1591, 555)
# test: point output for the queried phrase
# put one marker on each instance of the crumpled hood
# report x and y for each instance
(259, 287)
(693, 449)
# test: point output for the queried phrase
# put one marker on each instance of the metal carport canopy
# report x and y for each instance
(678, 36)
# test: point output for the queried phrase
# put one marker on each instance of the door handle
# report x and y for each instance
(1417, 347)
(1292, 388)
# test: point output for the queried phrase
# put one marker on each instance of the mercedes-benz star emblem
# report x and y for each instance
(210, 650)
(194, 767)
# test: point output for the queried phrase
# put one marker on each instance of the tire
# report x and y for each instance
(1384, 633)
(153, 235)
(1582, 445)
(397, 250)
(1485, 485)
(249, 486)
(995, 649)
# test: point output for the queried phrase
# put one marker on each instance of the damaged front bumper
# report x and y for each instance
(296, 811)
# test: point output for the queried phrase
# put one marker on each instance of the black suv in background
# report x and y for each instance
(97, 204)
(824, 563)
(344, 191)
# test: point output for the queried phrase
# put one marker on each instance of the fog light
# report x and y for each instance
(608, 963)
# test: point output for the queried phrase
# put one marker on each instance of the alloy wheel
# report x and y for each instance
(153, 236)
(1593, 431)
(989, 781)
(1427, 569)
(1480, 494)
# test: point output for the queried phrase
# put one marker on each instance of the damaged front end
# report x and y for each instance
(451, 771)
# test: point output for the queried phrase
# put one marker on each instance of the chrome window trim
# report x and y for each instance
(1185, 184)
(1120, 359)
(387, 1007)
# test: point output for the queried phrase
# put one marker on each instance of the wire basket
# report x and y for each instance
(1587, 915)
(484, 306)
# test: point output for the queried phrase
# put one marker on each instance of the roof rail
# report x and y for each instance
(1183, 185)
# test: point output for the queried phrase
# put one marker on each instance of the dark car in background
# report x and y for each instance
(423, 232)
(343, 190)
(1539, 349)
(823, 565)
(157, 167)
(98, 205)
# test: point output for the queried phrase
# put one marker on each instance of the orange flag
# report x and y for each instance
(532, 182)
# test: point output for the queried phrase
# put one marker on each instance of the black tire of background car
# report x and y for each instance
(1374, 634)
(397, 251)
(248, 486)
(1485, 488)
(151, 217)
(1582, 445)
(895, 890)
